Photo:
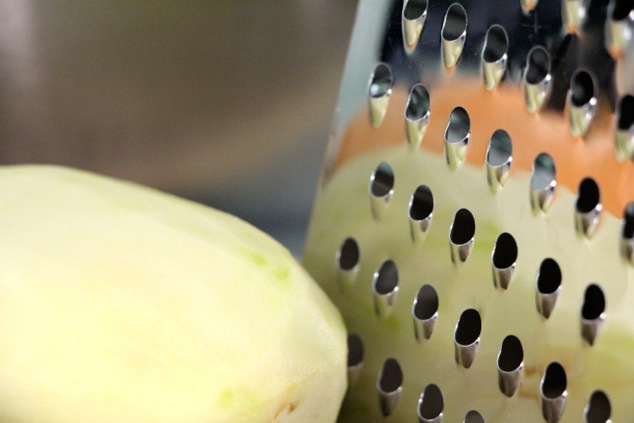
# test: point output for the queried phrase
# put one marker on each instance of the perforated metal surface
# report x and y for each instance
(474, 218)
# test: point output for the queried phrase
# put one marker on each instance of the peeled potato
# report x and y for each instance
(122, 304)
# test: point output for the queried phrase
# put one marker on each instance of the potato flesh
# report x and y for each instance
(119, 303)
(343, 210)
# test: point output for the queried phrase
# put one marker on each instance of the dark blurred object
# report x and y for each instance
(227, 102)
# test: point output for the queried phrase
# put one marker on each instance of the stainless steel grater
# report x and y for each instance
(474, 219)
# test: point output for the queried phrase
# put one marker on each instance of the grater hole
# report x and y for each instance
(628, 221)
(455, 23)
(381, 81)
(463, 227)
(625, 113)
(592, 313)
(473, 417)
(426, 303)
(382, 180)
(511, 354)
(391, 377)
(588, 197)
(549, 277)
(422, 203)
(348, 255)
(598, 409)
(538, 66)
(505, 251)
(386, 278)
(496, 44)
(554, 382)
(469, 327)
(355, 350)
(593, 304)
(500, 148)
(582, 88)
(418, 103)
(389, 386)
(459, 126)
(544, 172)
(431, 403)
(509, 365)
(414, 9)
(622, 9)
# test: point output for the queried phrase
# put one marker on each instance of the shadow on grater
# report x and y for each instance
(474, 221)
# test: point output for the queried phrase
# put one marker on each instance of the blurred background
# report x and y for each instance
(225, 102)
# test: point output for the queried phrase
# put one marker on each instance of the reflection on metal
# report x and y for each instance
(498, 160)
(457, 136)
(379, 92)
(590, 328)
(619, 27)
(494, 56)
(530, 104)
(528, 5)
(543, 182)
(381, 189)
(417, 113)
(413, 21)
(573, 13)
(582, 102)
(453, 34)
(537, 79)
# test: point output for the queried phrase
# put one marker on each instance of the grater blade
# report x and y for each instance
(474, 219)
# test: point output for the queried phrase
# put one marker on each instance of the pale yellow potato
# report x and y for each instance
(123, 304)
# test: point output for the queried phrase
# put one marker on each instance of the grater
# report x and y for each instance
(474, 220)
